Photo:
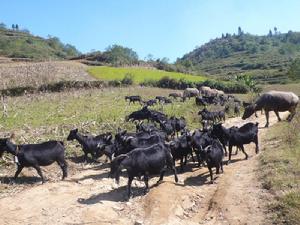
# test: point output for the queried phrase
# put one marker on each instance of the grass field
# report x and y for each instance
(139, 74)
(52, 115)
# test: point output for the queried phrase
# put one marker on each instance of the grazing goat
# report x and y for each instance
(176, 95)
(133, 98)
(90, 144)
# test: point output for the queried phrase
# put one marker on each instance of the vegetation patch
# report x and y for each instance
(162, 79)
(139, 74)
(19, 43)
(267, 58)
(280, 171)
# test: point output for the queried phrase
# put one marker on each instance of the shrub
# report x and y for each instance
(128, 79)
(166, 82)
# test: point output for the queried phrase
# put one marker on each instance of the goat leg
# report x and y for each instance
(162, 172)
(211, 175)
(39, 171)
(146, 178)
(130, 178)
(19, 169)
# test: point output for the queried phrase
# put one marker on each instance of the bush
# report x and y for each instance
(128, 79)
(166, 82)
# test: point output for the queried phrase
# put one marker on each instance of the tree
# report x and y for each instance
(248, 81)
(275, 31)
(17, 27)
(118, 55)
(270, 33)
(13, 26)
(2, 26)
(149, 58)
(240, 31)
(223, 36)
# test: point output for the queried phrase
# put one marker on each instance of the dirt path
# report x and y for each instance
(89, 197)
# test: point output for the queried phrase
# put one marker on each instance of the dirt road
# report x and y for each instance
(89, 197)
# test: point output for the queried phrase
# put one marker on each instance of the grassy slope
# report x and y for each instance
(280, 171)
(269, 62)
(23, 45)
(139, 74)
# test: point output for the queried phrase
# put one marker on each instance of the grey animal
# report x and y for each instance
(190, 92)
(277, 101)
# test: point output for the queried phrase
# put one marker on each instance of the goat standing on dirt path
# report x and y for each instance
(36, 155)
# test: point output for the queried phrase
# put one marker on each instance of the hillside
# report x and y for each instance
(22, 44)
(267, 58)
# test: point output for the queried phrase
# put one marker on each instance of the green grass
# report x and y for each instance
(51, 116)
(280, 171)
(139, 74)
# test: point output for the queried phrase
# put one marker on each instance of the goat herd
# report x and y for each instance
(155, 145)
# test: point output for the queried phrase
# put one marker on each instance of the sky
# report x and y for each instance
(163, 28)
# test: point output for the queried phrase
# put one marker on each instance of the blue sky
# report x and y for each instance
(164, 28)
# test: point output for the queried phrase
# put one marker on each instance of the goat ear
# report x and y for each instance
(120, 158)
(76, 130)
(123, 132)
(109, 137)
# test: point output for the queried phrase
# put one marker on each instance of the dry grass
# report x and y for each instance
(20, 74)
(280, 170)
(295, 87)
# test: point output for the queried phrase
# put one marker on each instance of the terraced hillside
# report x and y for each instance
(267, 58)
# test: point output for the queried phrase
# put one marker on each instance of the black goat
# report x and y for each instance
(133, 98)
(200, 101)
(143, 162)
(212, 116)
(161, 98)
(150, 102)
(139, 115)
(213, 155)
(129, 143)
(36, 155)
(90, 144)
(178, 124)
(238, 136)
(181, 148)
